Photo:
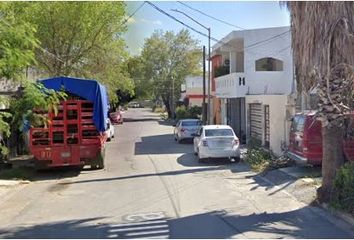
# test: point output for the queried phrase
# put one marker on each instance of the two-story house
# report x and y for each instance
(254, 84)
(194, 90)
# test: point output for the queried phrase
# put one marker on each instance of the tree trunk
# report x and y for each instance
(332, 160)
(166, 101)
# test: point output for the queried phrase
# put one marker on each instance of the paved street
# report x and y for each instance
(154, 187)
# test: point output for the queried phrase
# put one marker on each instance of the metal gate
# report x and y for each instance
(256, 121)
(266, 126)
(236, 116)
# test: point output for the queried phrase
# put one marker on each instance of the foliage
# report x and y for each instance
(261, 159)
(258, 158)
(168, 58)
(343, 197)
(17, 43)
(192, 112)
(35, 98)
(81, 39)
(143, 87)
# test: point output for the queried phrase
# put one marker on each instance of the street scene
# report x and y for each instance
(154, 187)
(177, 120)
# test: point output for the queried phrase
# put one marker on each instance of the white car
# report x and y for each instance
(216, 141)
(185, 128)
(109, 130)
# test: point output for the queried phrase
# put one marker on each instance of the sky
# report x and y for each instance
(247, 15)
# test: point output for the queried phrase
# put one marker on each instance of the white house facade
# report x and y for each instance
(255, 84)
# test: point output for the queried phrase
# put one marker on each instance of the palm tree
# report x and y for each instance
(322, 42)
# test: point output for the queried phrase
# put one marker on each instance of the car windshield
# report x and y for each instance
(218, 133)
(190, 123)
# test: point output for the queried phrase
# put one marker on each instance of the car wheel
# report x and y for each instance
(108, 139)
(200, 160)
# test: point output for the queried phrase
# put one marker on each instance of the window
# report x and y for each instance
(269, 64)
(190, 123)
(219, 133)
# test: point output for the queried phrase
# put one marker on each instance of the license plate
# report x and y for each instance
(65, 154)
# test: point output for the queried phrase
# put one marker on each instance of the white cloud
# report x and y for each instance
(154, 22)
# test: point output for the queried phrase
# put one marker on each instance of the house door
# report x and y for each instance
(266, 126)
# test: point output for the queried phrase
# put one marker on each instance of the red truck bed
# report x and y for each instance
(71, 138)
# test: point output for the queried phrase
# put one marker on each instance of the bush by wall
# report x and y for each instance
(343, 197)
(193, 112)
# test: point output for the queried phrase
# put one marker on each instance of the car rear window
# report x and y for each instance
(190, 123)
(218, 132)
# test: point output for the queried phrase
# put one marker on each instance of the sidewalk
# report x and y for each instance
(302, 183)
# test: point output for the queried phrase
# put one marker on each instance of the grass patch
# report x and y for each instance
(20, 173)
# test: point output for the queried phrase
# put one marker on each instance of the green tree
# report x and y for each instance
(81, 39)
(168, 58)
(322, 39)
(17, 52)
(142, 86)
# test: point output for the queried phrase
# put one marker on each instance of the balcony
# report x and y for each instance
(233, 85)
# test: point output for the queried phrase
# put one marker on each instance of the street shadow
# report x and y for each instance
(144, 119)
(166, 123)
(160, 144)
(168, 173)
(191, 160)
(299, 223)
(32, 174)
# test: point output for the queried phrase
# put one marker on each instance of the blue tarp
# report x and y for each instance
(88, 89)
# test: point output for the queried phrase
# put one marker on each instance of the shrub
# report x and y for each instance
(194, 112)
(181, 112)
(343, 197)
(258, 159)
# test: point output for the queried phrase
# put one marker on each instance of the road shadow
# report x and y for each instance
(144, 119)
(160, 144)
(161, 174)
(300, 223)
(191, 160)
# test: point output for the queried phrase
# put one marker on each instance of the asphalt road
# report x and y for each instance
(153, 187)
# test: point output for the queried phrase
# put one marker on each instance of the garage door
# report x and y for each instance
(256, 121)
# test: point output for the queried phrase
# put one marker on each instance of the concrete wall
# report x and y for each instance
(279, 121)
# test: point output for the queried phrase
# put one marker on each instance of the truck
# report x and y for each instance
(75, 135)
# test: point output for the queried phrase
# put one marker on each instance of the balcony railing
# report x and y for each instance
(232, 85)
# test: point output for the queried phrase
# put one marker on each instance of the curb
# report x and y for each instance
(342, 215)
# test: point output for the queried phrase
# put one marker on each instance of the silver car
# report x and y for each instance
(186, 128)
(216, 141)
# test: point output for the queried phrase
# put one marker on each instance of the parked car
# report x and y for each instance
(110, 130)
(216, 141)
(116, 117)
(305, 140)
(134, 105)
(185, 128)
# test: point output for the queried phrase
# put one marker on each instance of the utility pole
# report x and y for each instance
(203, 106)
(209, 70)
(209, 79)
(173, 99)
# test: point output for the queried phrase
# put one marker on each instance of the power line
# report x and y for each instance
(212, 38)
(131, 15)
(203, 13)
(266, 40)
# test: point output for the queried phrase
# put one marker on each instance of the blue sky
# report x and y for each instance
(248, 15)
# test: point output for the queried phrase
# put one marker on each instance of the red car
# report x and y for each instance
(116, 117)
(306, 140)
